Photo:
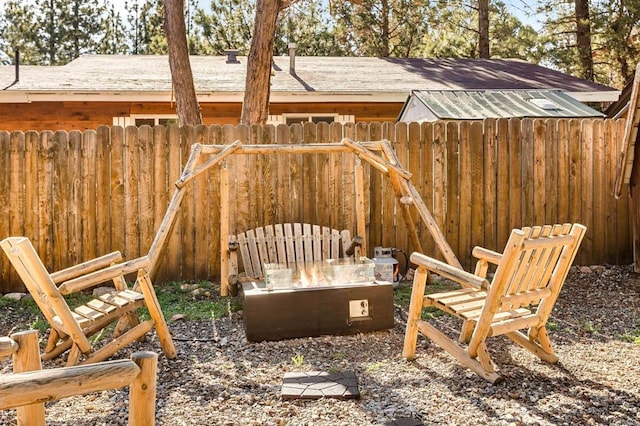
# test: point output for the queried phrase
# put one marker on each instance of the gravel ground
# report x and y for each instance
(220, 379)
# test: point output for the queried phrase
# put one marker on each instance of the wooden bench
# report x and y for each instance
(287, 244)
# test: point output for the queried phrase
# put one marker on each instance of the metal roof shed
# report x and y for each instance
(432, 105)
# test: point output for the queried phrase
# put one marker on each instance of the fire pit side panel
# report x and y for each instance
(292, 313)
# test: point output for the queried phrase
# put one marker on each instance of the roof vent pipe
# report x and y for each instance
(16, 62)
(232, 56)
(292, 58)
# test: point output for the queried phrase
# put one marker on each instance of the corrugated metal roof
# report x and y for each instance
(480, 104)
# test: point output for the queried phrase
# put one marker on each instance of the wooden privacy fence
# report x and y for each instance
(78, 195)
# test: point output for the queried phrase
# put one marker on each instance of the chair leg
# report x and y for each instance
(532, 347)
(52, 341)
(466, 331)
(543, 339)
(151, 300)
(485, 359)
(415, 311)
(74, 356)
(457, 352)
(61, 346)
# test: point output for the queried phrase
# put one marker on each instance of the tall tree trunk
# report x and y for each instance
(583, 39)
(483, 29)
(255, 108)
(384, 49)
(181, 75)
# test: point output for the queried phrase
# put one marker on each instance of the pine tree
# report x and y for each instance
(382, 28)
(114, 37)
(228, 26)
(18, 30)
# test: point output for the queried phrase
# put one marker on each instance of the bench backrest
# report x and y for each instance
(288, 244)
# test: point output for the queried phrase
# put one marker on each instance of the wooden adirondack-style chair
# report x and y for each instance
(529, 275)
(72, 328)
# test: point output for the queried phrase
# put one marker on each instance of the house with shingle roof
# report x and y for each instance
(96, 90)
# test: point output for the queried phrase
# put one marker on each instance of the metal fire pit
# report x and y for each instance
(329, 297)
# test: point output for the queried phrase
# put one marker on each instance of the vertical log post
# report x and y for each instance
(415, 310)
(142, 391)
(27, 358)
(224, 230)
(361, 225)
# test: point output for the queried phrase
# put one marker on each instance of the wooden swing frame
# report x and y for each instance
(379, 154)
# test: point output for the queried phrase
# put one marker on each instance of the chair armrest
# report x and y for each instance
(87, 267)
(465, 279)
(100, 276)
(486, 254)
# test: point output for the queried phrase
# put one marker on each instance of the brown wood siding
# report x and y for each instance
(82, 116)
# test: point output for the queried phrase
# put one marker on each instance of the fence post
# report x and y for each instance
(27, 358)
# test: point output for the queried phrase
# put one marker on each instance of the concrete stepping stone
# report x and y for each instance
(319, 384)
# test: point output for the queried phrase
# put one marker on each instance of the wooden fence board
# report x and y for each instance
(528, 172)
(609, 209)
(550, 146)
(283, 190)
(131, 173)
(87, 211)
(452, 231)
(5, 231)
(336, 170)
(31, 164)
(515, 175)
(145, 188)
(466, 189)
(586, 184)
(502, 184)
(376, 201)
(477, 188)
(575, 174)
(73, 198)
(117, 206)
(438, 206)
(103, 190)
(296, 176)
(61, 200)
(599, 179)
(361, 135)
(490, 167)
(539, 172)
(563, 171)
